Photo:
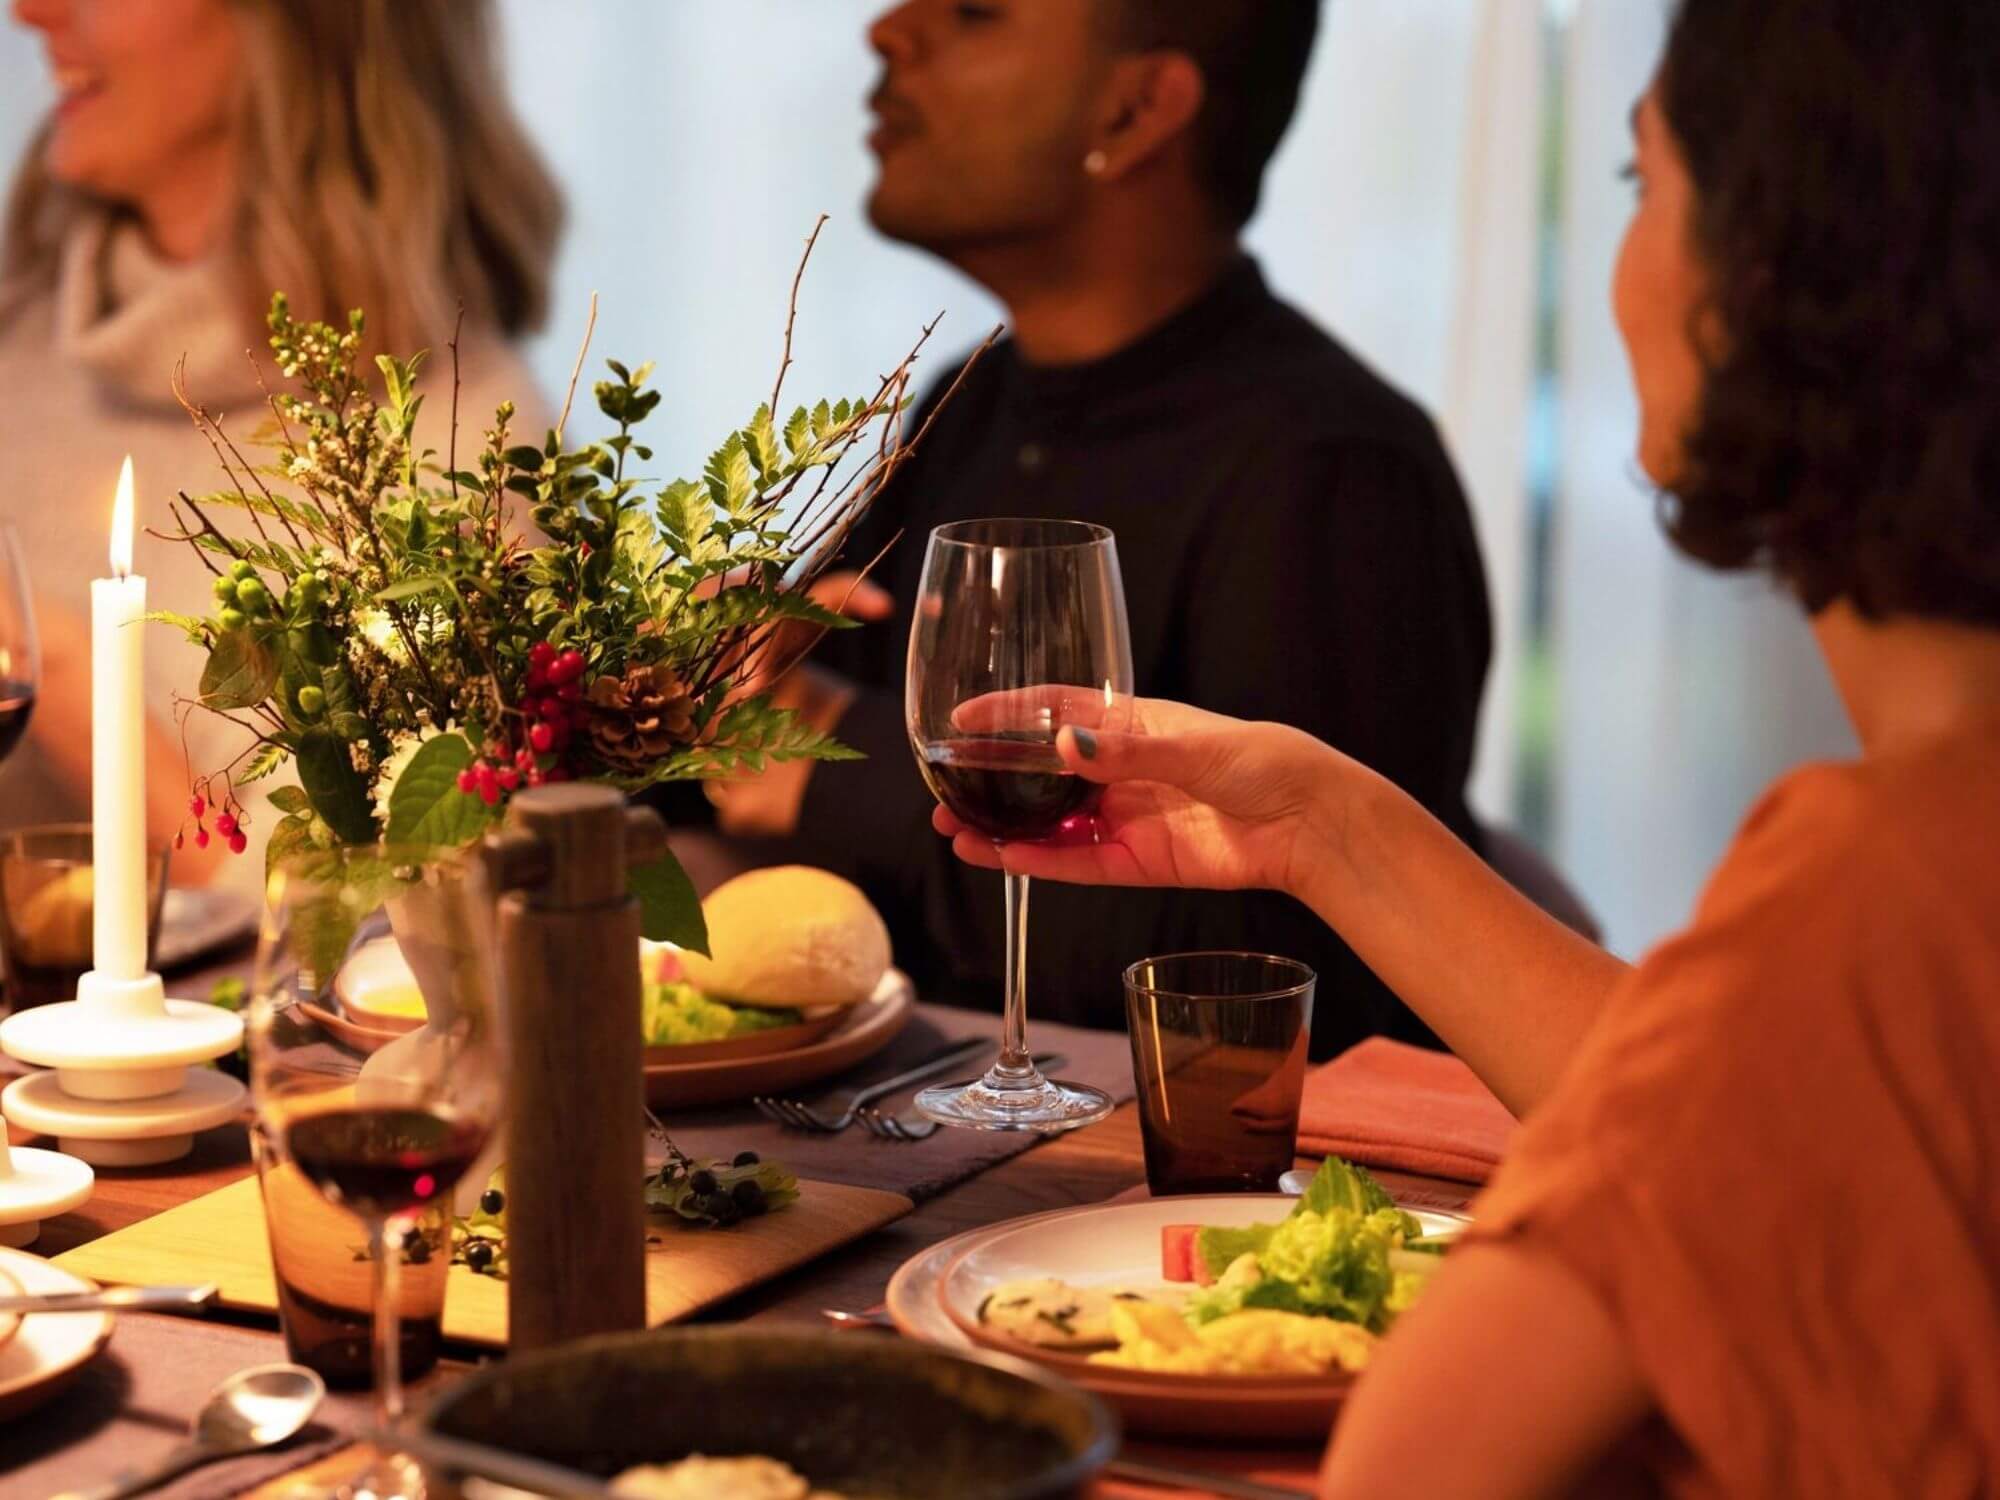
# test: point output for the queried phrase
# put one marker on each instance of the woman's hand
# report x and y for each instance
(1192, 799)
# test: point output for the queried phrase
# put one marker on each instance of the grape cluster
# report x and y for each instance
(552, 711)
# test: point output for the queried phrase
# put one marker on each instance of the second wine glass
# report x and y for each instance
(384, 1132)
(1020, 630)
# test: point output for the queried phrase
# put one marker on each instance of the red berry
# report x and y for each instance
(543, 737)
(570, 691)
(489, 792)
(509, 777)
(566, 667)
(525, 759)
(226, 825)
(535, 681)
(197, 807)
(541, 654)
(535, 778)
(238, 842)
(467, 782)
(556, 773)
(201, 838)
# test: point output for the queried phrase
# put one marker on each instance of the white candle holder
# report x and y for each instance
(37, 1185)
(120, 1092)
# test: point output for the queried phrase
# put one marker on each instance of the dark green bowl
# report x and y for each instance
(868, 1415)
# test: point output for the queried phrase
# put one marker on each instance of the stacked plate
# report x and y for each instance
(937, 1294)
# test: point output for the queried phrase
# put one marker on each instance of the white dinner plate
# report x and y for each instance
(936, 1294)
(50, 1348)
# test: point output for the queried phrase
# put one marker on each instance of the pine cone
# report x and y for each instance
(639, 718)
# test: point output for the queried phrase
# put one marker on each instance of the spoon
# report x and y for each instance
(252, 1409)
(186, 1299)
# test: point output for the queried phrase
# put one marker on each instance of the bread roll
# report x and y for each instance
(790, 936)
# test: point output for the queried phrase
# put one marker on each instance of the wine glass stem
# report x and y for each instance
(1015, 1063)
(385, 1249)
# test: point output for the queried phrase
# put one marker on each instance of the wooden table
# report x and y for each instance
(1084, 1166)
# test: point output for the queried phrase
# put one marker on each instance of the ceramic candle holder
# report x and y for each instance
(121, 1092)
(36, 1185)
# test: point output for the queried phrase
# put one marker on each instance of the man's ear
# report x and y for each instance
(1150, 102)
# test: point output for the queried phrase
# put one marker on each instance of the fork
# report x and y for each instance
(911, 1126)
(802, 1116)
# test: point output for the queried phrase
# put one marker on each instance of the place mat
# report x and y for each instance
(136, 1400)
(220, 1237)
(920, 1169)
(1387, 1104)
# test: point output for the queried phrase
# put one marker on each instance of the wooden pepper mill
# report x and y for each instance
(569, 961)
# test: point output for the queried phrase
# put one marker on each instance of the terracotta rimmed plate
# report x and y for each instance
(1119, 1243)
(10, 1322)
(859, 1033)
(803, 1033)
(50, 1348)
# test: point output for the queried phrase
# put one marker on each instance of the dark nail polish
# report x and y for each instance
(1086, 743)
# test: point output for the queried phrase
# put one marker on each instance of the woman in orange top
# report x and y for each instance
(1748, 1239)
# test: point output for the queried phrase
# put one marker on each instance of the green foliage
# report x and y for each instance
(669, 909)
(427, 807)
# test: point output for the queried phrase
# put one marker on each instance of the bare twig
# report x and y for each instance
(590, 326)
(451, 450)
(792, 314)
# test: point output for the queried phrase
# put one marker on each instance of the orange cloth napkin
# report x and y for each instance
(1387, 1104)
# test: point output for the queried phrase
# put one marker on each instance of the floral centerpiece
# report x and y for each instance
(388, 622)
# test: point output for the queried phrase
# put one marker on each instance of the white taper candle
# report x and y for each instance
(118, 752)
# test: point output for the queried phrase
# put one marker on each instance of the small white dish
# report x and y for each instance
(50, 1348)
(124, 1132)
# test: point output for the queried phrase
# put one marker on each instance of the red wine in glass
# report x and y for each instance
(17, 703)
(1008, 786)
(381, 1162)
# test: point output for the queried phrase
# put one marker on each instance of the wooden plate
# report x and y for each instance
(50, 1348)
(1120, 1243)
(857, 1034)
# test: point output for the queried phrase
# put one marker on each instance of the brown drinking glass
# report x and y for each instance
(45, 906)
(1219, 1056)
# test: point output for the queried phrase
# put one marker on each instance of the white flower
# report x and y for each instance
(402, 750)
(380, 632)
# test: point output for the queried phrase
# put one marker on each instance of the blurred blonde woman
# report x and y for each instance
(202, 153)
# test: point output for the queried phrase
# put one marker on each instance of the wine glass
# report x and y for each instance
(1020, 629)
(384, 1131)
(20, 651)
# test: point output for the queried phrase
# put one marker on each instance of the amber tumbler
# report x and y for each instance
(1219, 1056)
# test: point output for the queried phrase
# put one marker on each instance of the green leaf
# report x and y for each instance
(410, 588)
(194, 626)
(290, 799)
(263, 763)
(798, 432)
(731, 483)
(241, 671)
(292, 835)
(760, 441)
(669, 909)
(338, 792)
(524, 457)
(426, 806)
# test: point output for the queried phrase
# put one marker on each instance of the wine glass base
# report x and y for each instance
(1046, 1105)
(392, 1476)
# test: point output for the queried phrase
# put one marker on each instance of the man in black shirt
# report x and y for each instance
(1294, 543)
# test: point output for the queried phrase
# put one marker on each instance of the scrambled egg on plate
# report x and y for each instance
(1255, 1341)
(700, 1478)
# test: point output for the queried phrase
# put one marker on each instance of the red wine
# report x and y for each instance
(379, 1162)
(1007, 787)
(17, 702)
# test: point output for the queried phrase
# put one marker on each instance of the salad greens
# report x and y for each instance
(674, 1013)
(1340, 1254)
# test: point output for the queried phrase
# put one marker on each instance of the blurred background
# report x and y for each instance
(1448, 204)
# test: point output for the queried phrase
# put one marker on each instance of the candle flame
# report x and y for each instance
(121, 523)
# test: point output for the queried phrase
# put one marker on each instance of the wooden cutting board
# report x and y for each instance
(220, 1238)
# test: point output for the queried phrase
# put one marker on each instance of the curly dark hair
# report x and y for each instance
(1845, 156)
(1252, 55)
